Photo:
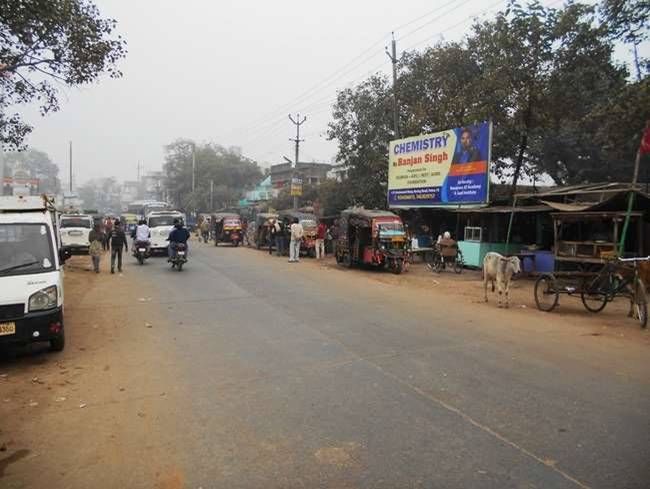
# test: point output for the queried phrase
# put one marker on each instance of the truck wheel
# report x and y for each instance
(58, 343)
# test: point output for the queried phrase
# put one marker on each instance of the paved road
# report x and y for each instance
(290, 375)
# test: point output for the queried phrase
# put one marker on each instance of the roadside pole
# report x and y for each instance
(630, 203)
(297, 140)
(393, 58)
(211, 195)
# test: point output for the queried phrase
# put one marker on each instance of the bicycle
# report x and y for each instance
(617, 279)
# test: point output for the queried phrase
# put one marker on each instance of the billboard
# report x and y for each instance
(296, 187)
(447, 168)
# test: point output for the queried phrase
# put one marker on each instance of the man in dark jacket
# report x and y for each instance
(117, 239)
(178, 235)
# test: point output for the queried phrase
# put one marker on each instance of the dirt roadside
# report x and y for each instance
(69, 416)
(467, 288)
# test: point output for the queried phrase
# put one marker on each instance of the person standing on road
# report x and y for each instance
(117, 239)
(108, 228)
(297, 233)
(321, 234)
(97, 239)
(244, 233)
(273, 235)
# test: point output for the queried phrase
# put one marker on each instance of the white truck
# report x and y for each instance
(75, 232)
(31, 272)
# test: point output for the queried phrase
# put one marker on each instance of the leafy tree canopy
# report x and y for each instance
(230, 172)
(39, 165)
(45, 44)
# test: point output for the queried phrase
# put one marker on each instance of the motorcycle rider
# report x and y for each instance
(142, 235)
(178, 235)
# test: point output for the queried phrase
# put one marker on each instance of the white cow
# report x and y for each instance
(498, 268)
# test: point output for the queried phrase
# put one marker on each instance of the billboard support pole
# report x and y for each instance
(512, 218)
(393, 58)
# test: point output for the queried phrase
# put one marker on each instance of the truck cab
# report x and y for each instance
(31, 272)
(75, 232)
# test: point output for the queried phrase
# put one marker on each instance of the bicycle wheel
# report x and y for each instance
(438, 264)
(546, 294)
(595, 293)
(641, 303)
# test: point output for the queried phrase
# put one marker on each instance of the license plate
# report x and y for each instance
(7, 329)
(142, 250)
(234, 236)
(75, 233)
(181, 253)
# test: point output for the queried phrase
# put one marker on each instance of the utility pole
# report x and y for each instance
(211, 195)
(193, 166)
(297, 140)
(70, 156)
(393, 58)
(139, 166)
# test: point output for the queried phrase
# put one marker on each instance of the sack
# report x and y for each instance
(95, 248)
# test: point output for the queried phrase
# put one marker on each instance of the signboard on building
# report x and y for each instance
(448, 168)
(296, 187)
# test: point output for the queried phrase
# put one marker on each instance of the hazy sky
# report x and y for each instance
(230, 71)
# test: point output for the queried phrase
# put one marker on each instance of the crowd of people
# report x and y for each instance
(288, 235)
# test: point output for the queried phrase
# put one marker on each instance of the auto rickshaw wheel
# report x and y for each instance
(235, 243)
(397, 266)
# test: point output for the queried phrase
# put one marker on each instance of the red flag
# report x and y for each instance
(645, 140)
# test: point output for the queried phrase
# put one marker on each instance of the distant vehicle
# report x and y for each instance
(227, 228)
(160, 225)
(75, 230)
(31, 273)
(129, 222)
(141, 208)
(371, 237)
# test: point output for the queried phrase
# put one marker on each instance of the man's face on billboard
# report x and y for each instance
(465, 139)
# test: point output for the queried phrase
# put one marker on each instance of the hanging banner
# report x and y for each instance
(448, 168)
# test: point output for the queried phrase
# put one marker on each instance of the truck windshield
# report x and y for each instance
(25, 248)
(156, 221)
(76, 222)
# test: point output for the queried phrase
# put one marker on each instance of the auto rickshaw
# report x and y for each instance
(129, 223)
(262, 232)
(227, 228)
(371, 237)
(309, 224)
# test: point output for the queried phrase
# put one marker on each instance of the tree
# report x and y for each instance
(628, 20)
(230, 172)
(48, 42)
(40, 167)
(362, 126)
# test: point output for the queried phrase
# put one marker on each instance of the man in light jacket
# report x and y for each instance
(297, 233)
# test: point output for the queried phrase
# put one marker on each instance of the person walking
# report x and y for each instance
(297, 233)
(274, 231)
(244, 233)
(108, 228)
(117, 240)
(97, 239)
(321, 235)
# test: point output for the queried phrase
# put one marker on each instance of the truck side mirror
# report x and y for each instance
(64, 254)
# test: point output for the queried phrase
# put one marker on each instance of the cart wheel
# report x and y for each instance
(641, 303)
(546, 294)
(594, 294)
(458, 265)
(438, 264)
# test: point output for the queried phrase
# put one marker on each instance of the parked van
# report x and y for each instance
(31, 272)
(75, 232)
(161, 224)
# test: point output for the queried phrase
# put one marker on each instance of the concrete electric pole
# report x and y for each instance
(297, 140)
(393, 57)
(193, 166)
(70, 157)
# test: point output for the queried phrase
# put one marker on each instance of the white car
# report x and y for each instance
(160, 225)
(75, 230)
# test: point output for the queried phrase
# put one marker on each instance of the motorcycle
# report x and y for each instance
(180, 257)
(141, 251)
